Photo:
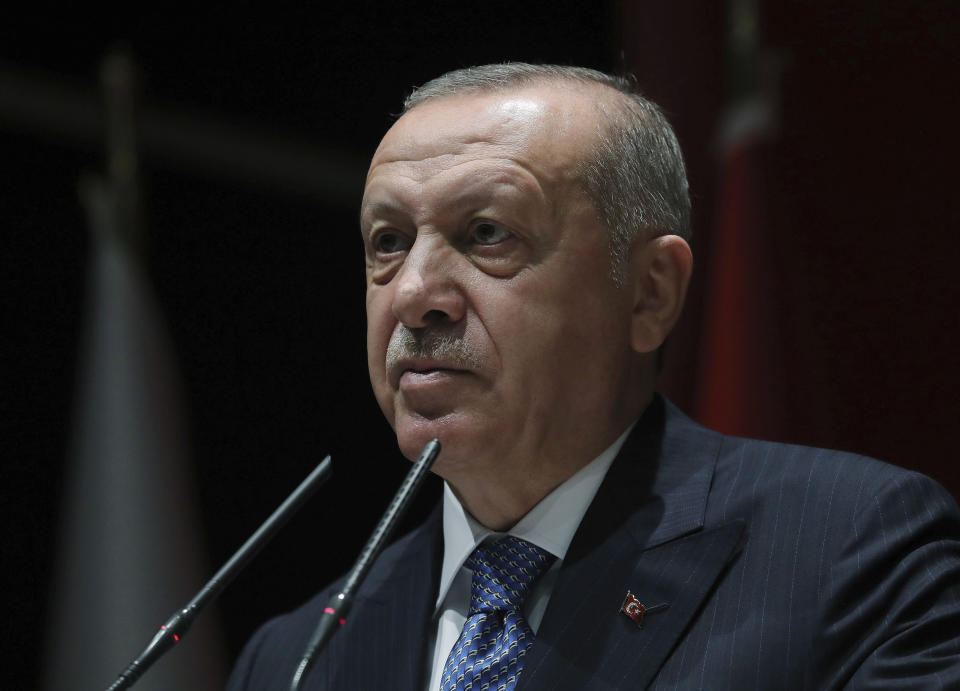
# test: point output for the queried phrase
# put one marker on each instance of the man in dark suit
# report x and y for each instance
(526, 235)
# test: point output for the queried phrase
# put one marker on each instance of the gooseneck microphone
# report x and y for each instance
(335, 612)
(177, 625)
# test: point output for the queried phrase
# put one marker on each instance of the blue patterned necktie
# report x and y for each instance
(495, 637)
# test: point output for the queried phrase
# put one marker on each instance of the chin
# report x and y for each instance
(460, 442)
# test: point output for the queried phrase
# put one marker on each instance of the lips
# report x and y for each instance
(407, 372)
(414, 378)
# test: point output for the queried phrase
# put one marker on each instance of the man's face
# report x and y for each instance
(493, 321)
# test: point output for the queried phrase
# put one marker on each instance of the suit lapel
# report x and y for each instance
(643, 533)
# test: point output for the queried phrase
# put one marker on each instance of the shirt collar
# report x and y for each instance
(549, 525)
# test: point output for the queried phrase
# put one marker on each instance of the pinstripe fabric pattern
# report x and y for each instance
(495, 637)
(847, 573)
(785, 568)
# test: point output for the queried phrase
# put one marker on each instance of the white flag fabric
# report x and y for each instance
(129, 552)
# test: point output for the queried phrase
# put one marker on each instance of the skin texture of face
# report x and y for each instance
(493, 321)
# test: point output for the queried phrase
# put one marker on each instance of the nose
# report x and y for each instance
(427, 292)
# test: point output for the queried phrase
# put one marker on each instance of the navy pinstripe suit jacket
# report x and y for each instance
(784, 567)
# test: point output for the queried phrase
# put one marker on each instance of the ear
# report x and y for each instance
(659, 271)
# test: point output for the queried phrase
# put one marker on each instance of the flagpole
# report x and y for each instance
(130, 534)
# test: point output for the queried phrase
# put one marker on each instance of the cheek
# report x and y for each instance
(380, 320)
(559, 334)
(380, 325)
(524, 334)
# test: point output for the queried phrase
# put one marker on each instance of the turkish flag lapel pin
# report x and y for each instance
(636, 610)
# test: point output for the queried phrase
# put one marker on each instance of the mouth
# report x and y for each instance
(417, 377)
(409, 371)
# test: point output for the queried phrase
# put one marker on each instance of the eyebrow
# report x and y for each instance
(379, 207)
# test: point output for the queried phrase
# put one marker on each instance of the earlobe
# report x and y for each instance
(660, 271)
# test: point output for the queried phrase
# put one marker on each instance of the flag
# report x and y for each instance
(129, 553)
(738, 387)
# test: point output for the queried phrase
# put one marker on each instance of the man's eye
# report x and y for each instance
(489, 233)
(388, 243)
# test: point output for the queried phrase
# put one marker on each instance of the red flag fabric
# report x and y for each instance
(738, 384)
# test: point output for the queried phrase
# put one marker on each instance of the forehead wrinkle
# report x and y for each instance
(414, 149)
(504, 168)
(489, 169)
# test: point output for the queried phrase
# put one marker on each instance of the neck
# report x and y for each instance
(500, 503)
(498, 508)
(498, 500)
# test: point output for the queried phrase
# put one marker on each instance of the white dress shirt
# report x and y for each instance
(549, 525)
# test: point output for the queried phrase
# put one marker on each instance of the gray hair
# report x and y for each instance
(636, 177)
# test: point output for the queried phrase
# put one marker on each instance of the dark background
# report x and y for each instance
(262, 288)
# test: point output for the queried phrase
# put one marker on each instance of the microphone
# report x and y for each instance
(335, 612)
(176, 626)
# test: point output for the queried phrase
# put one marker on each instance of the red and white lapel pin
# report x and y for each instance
(636, 610)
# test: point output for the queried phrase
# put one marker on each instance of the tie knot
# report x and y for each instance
(503, 572)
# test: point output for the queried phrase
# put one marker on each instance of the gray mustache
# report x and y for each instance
(426, 344)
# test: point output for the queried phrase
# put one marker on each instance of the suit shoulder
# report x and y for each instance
(858, 558)
(779, 462)
(813, 470)
(781, 484)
